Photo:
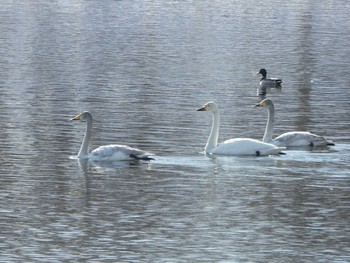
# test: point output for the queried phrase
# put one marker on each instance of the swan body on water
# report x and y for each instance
(237, 146)
(289, 139)
(268, 82)
(113, 152)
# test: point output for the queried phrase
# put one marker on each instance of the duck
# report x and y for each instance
(292, 138)
(236, 146)
(271, 82)
(112, 152)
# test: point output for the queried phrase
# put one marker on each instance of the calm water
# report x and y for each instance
(142, 68)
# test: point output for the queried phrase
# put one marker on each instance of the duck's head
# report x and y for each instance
(263, 72)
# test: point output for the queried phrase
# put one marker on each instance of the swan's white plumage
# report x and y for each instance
(237, 146)
(289, 139)
(117, 152)
(113, 152)
(245, 146)
(299, 138)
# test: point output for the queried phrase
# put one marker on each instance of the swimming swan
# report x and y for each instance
(237, 146)
(289, 139)
(265, 82)
(111, 152)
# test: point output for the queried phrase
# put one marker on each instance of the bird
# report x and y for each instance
(271, 82)
(289, 139)
(237, 146)
(113, 152)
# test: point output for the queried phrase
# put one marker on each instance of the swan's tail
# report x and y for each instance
(321, 141)
(142, 157)
(277, 150)
(330, 143)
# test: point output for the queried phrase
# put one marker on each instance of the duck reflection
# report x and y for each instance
(262, 91)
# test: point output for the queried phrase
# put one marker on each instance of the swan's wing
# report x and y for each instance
(246, 146)
(117, 152)
(299, 138)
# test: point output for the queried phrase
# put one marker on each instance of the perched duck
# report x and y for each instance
(265, 82)
(289, 139)
(113, 152)
(237, 146)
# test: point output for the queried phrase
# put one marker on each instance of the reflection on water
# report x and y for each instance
(85, 164)
(262, 92)
(142, 69)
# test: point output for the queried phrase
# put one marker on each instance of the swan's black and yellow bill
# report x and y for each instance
(203, 108)
(76, 118)
(260, 104)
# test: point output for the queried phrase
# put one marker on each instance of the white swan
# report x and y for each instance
(271, 82)
(237, 146)
(111, 152)
(289, 139)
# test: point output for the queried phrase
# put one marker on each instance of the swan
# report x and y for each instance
(237, 146)
(289, 139)
(265, 82)
(111, 152)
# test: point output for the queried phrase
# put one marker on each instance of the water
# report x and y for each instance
(142, 69)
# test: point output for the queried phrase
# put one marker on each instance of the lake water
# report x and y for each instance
(143, 68)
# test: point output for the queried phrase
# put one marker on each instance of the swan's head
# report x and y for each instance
(262, 72)
(264, 103)
(84, 116)
(209, 106)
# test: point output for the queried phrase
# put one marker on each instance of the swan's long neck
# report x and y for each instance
(84, 148)
(214, 133)
(270, 123)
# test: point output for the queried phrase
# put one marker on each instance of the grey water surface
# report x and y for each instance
(143, 68)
